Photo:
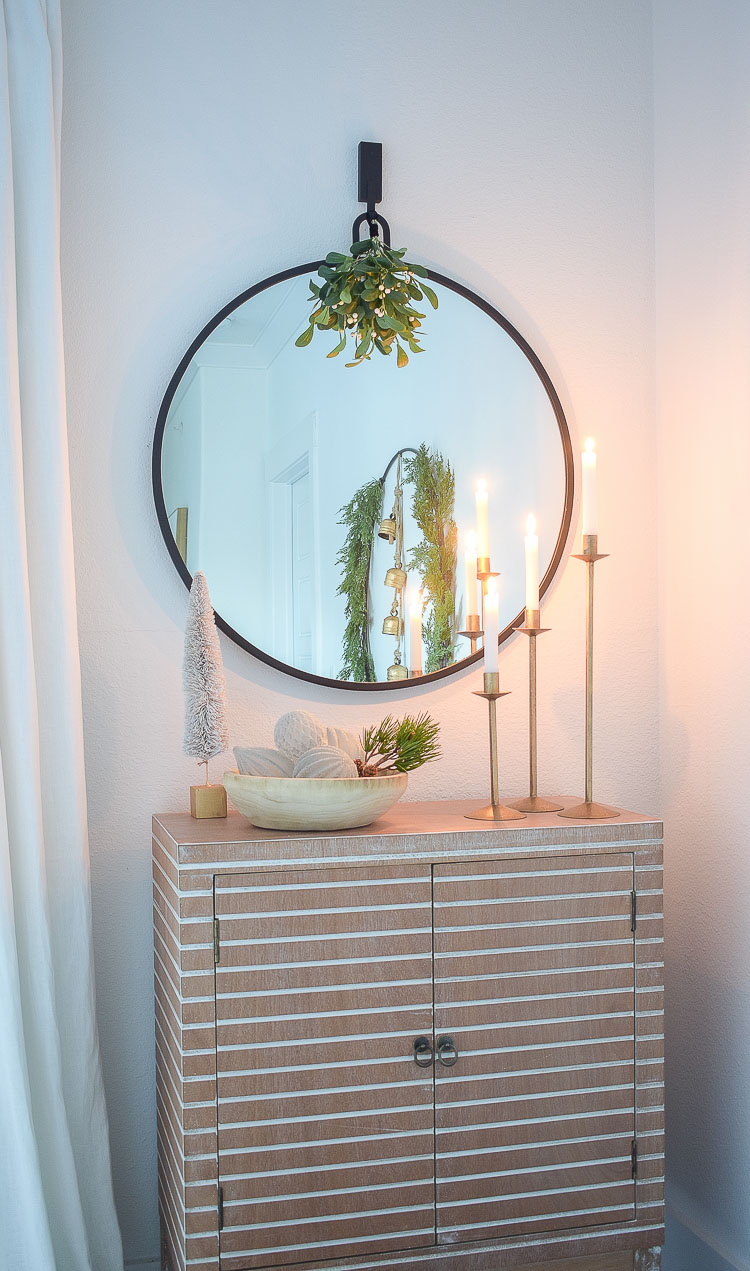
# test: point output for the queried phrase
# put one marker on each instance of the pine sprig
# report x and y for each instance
(434, 558)
(399, 745)
(369, 295)
(359, 515)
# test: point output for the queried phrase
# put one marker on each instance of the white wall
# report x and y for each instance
(702, 100)
(199, 156)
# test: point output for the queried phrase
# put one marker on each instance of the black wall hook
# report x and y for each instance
(370, 191)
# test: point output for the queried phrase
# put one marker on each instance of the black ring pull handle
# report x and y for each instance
(446, 1051)
(375, 222)
(423, 1054)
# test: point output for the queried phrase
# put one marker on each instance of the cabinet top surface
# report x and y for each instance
(404, 827)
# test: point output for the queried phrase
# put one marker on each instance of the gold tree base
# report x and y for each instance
(494, 812)
(207, 802)
(535, 803)
(589, 812)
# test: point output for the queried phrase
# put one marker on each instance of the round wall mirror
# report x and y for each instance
(317, 498)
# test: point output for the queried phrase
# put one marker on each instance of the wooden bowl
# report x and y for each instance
(313, 803)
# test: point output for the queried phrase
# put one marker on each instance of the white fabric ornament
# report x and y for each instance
(262, 761)
(342, 739)
(298, 731)
(206, 730)
(325, 761)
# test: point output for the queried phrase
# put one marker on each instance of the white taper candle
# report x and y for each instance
(491, 627)
(470, 576)
(531, 544)
(588, 487)
(483, 528)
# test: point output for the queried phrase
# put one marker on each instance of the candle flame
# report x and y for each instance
(531, 524)
(414, 598)
(482, 486)
(471, 543)
(589, 445)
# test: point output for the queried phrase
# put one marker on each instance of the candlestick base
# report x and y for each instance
(589, 812)
(535, 804)
(495, 812)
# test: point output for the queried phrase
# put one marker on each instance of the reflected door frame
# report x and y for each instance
(294, 456)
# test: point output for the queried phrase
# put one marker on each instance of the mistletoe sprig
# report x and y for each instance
(369, 295)
(399, 745)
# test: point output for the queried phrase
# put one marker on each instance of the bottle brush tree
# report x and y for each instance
(206, 728)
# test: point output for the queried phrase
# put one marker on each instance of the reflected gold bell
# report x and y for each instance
(397, 672)
(392, 625)
(388, 529)
(395, 577)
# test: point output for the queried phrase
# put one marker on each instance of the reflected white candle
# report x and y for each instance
(415, 632)
(531, 544)
(588, 487)
(470, 577)
(491, 627)
(483, 528)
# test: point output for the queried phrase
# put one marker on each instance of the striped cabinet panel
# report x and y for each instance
(293, 976)
(325, 1122)
(535, 987)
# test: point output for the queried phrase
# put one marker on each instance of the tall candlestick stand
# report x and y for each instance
(588, 810)
(495, 810)
(473, 630)
(534, 802)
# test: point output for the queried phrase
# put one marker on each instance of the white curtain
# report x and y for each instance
(56, 1206)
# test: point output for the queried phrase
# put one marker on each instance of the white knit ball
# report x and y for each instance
(298, 731)
(342, 739)
(262, 761)
(325, 761)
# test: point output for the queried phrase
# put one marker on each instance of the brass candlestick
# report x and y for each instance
(473, 630)
(495, 810)
(484, 573)
(588, 810)
(535, 802)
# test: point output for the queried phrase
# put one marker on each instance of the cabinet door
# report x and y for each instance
(325, 1121)
(534, 984)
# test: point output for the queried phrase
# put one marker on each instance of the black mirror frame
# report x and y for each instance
(378, 686)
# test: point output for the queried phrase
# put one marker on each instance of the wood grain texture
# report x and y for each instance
(292, 1096)
(303, 1054)
(426, 831)
(185, 1070)
(525, 914)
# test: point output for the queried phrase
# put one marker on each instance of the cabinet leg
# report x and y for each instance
(647, 1260)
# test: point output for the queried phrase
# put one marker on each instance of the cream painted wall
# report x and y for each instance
(208, 146)
(702, 114)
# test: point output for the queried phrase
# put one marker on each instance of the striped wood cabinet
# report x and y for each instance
(424, 1042)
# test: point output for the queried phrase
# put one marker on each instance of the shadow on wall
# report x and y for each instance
(685, 1251)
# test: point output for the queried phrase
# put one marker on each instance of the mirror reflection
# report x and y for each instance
(331, 508)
